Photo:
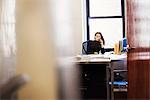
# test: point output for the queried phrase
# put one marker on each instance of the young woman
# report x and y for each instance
(99, 37)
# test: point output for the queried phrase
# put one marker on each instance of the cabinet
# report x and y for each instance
(100, 76)
(120, 80)
(94, 81)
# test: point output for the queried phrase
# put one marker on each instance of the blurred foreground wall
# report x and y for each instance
(35, 55)
(38, 44)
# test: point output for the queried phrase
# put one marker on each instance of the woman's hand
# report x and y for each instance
(101, 42)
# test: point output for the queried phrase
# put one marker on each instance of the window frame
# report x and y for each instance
(88, 17)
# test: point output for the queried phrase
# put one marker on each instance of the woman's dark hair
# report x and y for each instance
(101, 36)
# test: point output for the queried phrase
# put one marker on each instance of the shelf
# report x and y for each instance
(119, 83)
(120, 70)
(120, 90)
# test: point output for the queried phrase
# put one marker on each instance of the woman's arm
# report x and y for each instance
(102, 43)
(102, 46)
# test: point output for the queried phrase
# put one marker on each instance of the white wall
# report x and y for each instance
(67, 23)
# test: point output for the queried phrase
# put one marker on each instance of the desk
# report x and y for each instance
(101, 61)
(107, 57)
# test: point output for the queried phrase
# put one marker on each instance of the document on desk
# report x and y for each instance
(99, 60)
(107, 57)
(93, 58)
(117, 57)
(113, 56)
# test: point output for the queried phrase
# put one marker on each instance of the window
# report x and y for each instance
(107, 17)
(105, 8)
(7, 27)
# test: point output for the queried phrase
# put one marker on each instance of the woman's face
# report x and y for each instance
(97, 37)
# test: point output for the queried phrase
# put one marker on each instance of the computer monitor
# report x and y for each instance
(90, 47)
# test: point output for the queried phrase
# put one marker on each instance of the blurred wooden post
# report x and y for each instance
(35, 52)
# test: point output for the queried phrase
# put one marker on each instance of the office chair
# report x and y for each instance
(9, 89)
(90, 47)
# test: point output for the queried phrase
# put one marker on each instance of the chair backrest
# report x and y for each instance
(8, 90)
(89, 47)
